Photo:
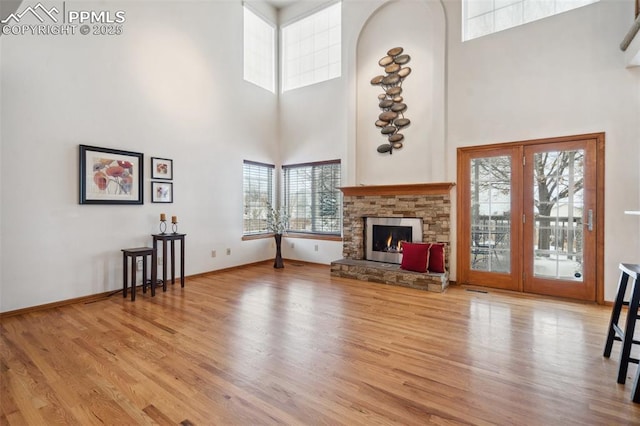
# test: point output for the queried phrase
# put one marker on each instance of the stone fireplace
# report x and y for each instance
(429, 203)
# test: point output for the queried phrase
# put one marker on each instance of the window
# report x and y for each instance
(483, 17)
(311, 49)
(313, 198)
(258, 192)
(259, 51)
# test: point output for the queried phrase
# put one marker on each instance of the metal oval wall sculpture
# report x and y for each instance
(391, 120)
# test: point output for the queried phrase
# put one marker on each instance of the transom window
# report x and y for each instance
(259, 51)
(313, 198)
(258, 194)
(311, 48)
(483, 17)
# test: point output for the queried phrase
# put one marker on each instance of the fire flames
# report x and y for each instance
(393, 249)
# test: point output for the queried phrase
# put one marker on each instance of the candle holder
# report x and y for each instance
(174, 227)
(163, 227)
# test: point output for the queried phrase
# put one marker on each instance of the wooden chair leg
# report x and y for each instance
(635, 390)
(124, 275)
(133, 278)
(630, 326)
(615, 313)
(144, 274)
(154, 272)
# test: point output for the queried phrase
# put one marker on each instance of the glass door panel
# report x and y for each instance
(558, 210)
(490, 214)
(487, 225)
(557, 236)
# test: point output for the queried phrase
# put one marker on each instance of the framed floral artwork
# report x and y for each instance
(161, 168)
(110, 176)
(161, 192)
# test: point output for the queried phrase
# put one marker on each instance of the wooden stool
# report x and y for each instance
(134, 253)
(615, 331)
(635, 390)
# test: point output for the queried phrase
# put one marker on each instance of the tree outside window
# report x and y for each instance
(313, 198)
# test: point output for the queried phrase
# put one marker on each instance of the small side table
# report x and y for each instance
(133, 254)
(170, 237)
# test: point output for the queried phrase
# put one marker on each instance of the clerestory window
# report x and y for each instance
(259, 51)
(483, 17)
(311, 48)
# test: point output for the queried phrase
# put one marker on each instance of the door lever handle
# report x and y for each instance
(590, 220)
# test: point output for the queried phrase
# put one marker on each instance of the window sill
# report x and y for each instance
(313, 236)
(294, 235)
(256, 236)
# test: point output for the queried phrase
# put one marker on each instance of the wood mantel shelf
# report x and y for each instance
(403, 189)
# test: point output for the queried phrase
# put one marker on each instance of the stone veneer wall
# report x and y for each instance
(433, 209)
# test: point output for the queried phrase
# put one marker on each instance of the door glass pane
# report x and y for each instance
(558, 212)
(491, 214)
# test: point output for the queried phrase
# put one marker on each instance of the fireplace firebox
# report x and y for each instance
(384, 237)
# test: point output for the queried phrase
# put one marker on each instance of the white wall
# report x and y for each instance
(319, 122)
(313, 123)
(171, 86)
(422, 35)
(1, 202)
(559, 76)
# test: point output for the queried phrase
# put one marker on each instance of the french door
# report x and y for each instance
(489, 235)
(530, 216)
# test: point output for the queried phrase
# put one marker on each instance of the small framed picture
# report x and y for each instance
(161, 168)
(161, 192)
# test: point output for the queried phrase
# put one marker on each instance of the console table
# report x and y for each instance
(172, 238)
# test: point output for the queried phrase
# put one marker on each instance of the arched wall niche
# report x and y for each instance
(420, 29)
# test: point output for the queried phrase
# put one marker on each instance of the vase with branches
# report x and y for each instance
(277, 222)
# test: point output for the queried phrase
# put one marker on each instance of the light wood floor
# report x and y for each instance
(257, 346)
